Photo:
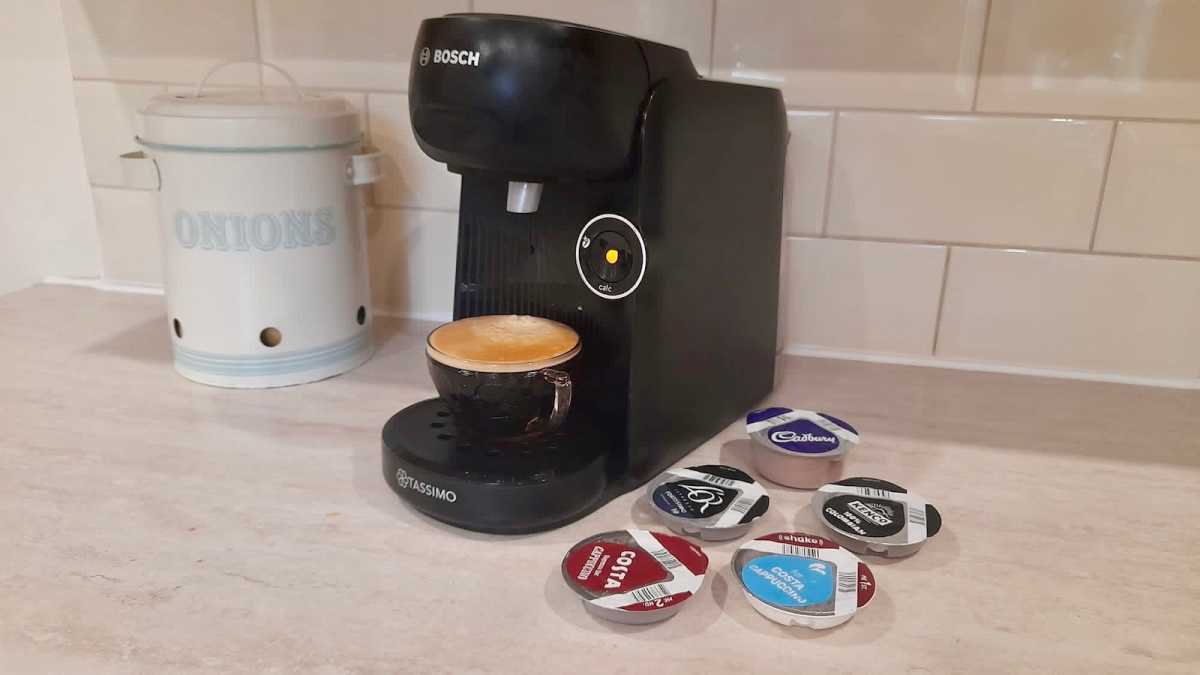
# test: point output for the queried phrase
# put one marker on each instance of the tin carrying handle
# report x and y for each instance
(199, 89)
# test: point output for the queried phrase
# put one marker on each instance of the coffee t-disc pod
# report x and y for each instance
(634, 576)
(799, 579)
(713, 501)
(869, 515)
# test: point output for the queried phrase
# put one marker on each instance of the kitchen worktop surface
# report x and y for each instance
(149, 524)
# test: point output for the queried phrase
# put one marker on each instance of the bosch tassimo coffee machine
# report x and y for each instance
(573, 142)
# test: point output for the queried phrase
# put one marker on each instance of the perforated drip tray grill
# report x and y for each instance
(507, 486)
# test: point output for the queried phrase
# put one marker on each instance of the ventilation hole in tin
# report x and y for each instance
(362, 315)
(437, 425)
(442, 413)
(445, 437)
(270, 336)
(178, 328)
(492, 452)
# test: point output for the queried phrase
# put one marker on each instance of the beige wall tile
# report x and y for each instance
(1136, 316)
(1097, 57)
(412, 261)
(353, 44)
(167, 40)
(130, 243)
(863, 296)
(413, 179)
(108, 123)
(1152, 198)
(913, 54)
(987, 180)
(807, 172)
(679, 23)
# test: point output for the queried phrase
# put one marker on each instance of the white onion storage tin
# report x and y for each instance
(263, 233)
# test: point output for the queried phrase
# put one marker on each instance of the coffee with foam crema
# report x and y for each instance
(505, 342)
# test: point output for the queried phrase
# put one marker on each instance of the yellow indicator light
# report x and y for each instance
(611, 256)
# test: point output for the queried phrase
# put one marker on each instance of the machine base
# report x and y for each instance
(506, 487)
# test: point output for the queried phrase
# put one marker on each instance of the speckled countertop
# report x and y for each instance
(149, 524)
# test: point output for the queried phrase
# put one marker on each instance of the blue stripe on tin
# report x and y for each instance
(263, 365)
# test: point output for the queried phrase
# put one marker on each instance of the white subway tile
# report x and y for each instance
(912, 54)
(1152, 198)
(679, 23)
(166, 40)
(412, 257)
(807, 172)
(863, 296)
(1136, 58)
(351, 44)
(108, 123)
(130, 241)
(413, 179)
(958, 178)
(1112, 314)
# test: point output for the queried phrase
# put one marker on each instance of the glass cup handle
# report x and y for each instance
(562, 396)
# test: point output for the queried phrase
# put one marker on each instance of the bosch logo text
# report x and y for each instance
(453, 57)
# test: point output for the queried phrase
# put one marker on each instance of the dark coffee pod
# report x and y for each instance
(713, 501)
(799, 579)
(869, 515)
(634, 576)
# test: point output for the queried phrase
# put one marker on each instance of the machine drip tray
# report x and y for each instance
(503, 487)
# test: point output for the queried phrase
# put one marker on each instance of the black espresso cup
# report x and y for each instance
(505, 376)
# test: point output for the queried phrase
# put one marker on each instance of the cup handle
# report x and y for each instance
(562, 396)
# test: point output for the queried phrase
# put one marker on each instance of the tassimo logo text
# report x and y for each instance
(453, 57)
(788, 436)
(421, 487)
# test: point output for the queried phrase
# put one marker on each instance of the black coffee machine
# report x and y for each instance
(571, 142)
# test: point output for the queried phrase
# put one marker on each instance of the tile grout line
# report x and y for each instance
(1112, 143)
(396, 207)
(833, 133)
(937, 320)
(257, 42)
(1003, 247)
(712, 40)
(790, 107)
(987, 17)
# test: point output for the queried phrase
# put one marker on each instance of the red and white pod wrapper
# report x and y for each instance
(634, 576)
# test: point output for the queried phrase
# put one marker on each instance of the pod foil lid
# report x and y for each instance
(799, 579)
(800, 432)
(870, 515)
(711, 501)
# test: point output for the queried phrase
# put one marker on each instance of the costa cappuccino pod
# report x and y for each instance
(799, 579)
(799, 448)
(634, 576)
(869, 515)
(713, 501)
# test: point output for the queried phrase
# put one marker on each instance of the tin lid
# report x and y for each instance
(634, 570)
(800, 433)
(707, 497)
(251, 120)
(799, 579)
(877, 512)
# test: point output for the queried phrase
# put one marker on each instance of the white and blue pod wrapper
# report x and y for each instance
(869, 515)
(799, 579)
(712, 501)
(799, 448)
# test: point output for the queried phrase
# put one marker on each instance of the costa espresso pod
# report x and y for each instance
(634, 576)
(713, 501)
(799, 448)
(799, 579)
(869, 515)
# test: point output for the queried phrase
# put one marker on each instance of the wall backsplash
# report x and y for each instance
(996, 184)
